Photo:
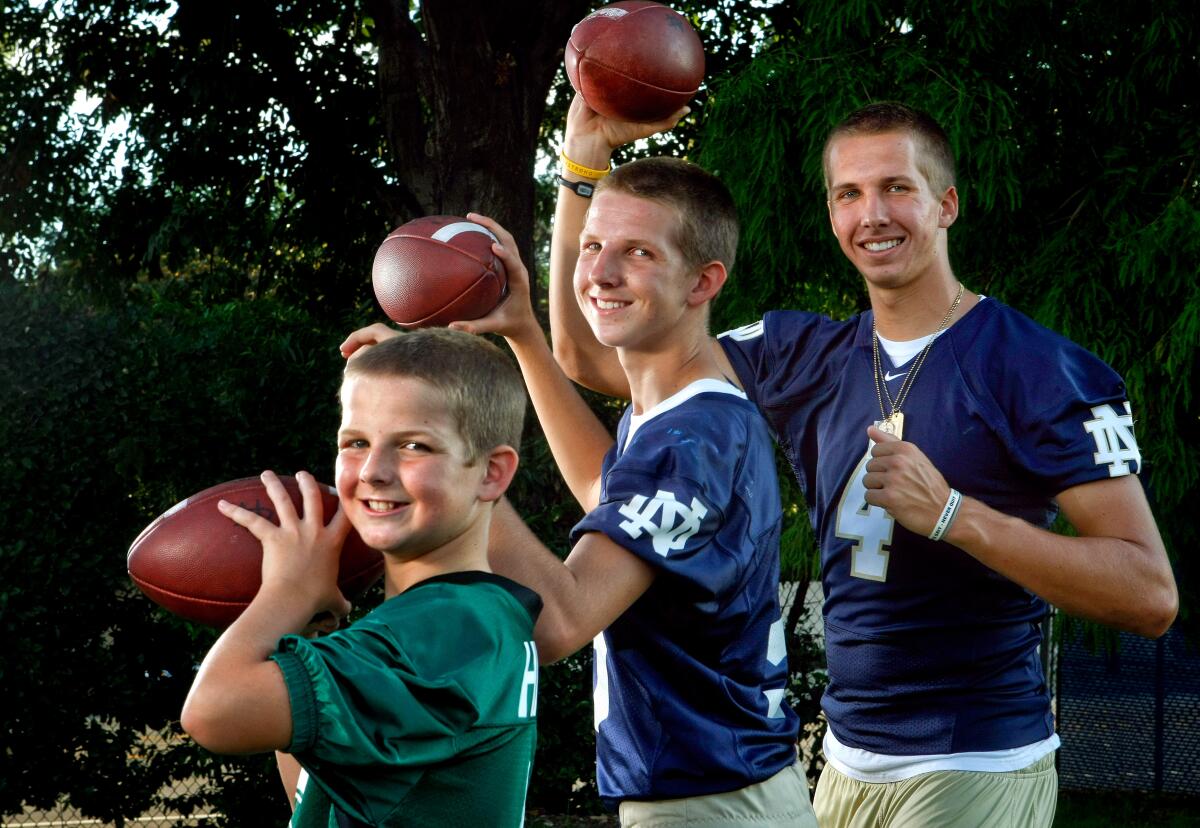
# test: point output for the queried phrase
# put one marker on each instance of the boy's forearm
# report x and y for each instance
(1115, 572)
(580, 596)
(238, 702)
(577, 438)
(576, 349)
(289, 775)
(516, 553)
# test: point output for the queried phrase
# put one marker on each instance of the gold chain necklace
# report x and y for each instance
(893, 422)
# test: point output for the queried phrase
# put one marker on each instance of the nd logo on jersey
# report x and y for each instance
(1115, 444)
(676, 522)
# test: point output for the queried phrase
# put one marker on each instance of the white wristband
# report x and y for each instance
(949, 513)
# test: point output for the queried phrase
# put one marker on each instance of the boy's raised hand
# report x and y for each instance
(590, 138)
(301, 554)
(513, 318)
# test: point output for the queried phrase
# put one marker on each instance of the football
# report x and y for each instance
(436, 270)
(200, 565)
(635, 60)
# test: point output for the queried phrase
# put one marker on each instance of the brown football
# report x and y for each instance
(200, 565)
(436, 270)
(635, 60)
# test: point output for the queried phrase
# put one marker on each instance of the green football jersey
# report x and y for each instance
(420, 714)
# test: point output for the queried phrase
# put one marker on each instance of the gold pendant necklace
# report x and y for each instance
(893, 420)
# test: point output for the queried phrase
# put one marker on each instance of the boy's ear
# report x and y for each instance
(708, 284)
(949, 208)
(500, 466)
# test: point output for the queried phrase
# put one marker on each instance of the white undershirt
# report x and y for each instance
(866, 766)
(901, 351)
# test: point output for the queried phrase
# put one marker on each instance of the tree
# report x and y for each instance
(264, 148)
(264, 152)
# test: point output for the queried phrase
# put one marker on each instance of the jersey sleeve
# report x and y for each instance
(1069, 415)
(767, 355)
(665, 498)
(345, 691)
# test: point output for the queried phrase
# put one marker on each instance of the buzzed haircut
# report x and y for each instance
(708, 222)
(935, 158)
(482, 387)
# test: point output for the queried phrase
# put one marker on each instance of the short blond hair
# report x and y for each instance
(482, 387)
(935, 157)
(708, 222)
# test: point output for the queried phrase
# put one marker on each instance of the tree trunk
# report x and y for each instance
(463, 105)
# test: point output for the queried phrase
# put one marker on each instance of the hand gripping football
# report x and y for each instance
(200, 565)
(436, 270)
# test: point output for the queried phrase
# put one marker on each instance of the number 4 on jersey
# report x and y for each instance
(870, 527)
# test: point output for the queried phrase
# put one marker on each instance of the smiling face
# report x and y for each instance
(889, 220)
(403, 471)
(632, 280)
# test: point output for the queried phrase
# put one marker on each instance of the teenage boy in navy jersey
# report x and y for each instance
(675, 569)
(935, 437)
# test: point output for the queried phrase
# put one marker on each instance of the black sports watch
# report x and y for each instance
(580, 188)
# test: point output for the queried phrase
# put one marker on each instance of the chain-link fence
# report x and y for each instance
(1130, 719)
(164, 814)
(160, 778)
(69, 817)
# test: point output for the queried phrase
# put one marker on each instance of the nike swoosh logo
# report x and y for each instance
(889, 376)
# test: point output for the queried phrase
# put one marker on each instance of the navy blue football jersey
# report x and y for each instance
(929, 651)
(690, 680)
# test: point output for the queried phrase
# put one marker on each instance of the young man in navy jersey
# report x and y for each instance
(675, 568)
(935, 437)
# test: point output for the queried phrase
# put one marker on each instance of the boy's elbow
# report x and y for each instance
(1160, 605)
(552, 648)
(215, 726)
(199, 722)
(1160, 612)
(556, 638)
(591, 370)
(550, 655)
(569, 358)
(1154, 610)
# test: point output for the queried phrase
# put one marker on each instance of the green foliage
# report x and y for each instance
(110, 418)
(564, 770)
(261, 149)
(1075, 133)
(228, 121)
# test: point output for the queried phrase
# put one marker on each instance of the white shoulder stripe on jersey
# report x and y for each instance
(701, 386)
(751, 331)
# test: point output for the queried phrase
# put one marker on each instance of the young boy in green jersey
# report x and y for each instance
(422, 712)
